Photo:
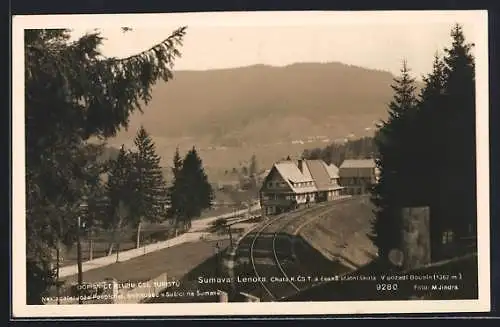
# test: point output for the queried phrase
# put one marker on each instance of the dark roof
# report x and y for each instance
(358, 163)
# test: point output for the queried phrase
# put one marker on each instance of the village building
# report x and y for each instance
(358, 175)
(294, 183)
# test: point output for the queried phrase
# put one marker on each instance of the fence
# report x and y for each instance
(98, 243)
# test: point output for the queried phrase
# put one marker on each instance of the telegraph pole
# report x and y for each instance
(58, 287)
(79, 260)
(83, 206)
(58, 254)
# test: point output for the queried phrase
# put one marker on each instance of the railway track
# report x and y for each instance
(272, 268)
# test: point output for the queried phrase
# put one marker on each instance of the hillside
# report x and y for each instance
(343, 235)
(231, 113)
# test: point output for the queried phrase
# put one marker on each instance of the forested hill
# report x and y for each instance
(362, 148)
(261, 104)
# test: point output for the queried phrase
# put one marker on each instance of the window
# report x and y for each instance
(447, 237)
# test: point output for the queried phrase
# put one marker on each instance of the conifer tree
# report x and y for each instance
(119, 191)
(177, 163)
(73, 93)
(459, 188)
(191, 192)
(431, 119)
(150, 188)
(253, 168)
(392, 192)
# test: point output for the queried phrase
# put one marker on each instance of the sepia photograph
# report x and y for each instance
(250, 163)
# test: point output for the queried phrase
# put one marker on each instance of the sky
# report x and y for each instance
(377, 41)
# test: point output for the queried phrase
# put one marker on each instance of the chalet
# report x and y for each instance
(293, 183)
(358, 175)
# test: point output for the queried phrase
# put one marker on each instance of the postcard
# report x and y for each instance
(250, 163)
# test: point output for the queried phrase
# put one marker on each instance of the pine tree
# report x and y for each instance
(177, 163)
(173, 196)
(253, 168)
(191, 192)
(431, 119)
(74, 93)
(392, 193)
(150, 200)
(459, 134)
(119, 191)
(448, 108)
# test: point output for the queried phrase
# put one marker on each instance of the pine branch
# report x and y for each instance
(174, 39)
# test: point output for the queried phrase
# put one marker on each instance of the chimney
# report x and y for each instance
(300, 163)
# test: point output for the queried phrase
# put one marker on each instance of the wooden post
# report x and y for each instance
(118, 251)
(223, 296)
(91, 245)
(79, 261)
(58, 287)
(138, 239)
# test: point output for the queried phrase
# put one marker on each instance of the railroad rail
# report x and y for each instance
(278, 276)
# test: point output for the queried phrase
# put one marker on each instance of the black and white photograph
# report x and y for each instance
(250, 163)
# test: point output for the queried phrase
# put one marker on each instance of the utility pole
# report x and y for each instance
(58, 255)
(83, 207)
(58, 288)
(79, 260)
(217, 249)
(91, 245)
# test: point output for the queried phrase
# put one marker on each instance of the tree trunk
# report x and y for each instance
(110, 249)
(118, 251)
(138, 241)
(116, 238)
(230, 236)
(91, 249)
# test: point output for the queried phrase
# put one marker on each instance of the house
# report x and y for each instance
(294, 183)
(358, 175)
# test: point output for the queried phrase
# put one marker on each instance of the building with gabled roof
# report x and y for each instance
(358, 175)
(294, 183)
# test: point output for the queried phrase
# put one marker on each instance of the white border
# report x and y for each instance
(20, 309)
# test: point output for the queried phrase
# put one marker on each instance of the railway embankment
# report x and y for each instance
(341, 234)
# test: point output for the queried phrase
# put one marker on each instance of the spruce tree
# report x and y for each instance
(149, 185)
(191, 192)
(253, 171)
(392, 192)
(459, 154)
(177, 163)
(253, 168)
(73, 93)
(431, 119)
(119, 192)
(173, 196)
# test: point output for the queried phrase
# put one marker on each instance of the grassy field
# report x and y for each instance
(150, 233)
(177, 262)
